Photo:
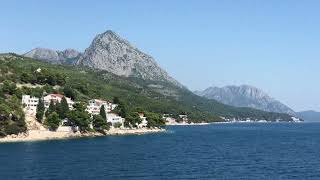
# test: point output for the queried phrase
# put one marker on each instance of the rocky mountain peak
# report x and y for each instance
(43, 54)
(108, 51)
(57, 57)
(245, 96)
(70, 53)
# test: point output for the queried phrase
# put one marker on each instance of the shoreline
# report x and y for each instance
(229, 122)
(187, 124)
(44, 135)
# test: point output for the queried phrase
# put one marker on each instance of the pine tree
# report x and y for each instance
(62, 108)
(103, 112)
(52, 121)
(80, 117)
(52, 108)
(99, 123)
(40, 110)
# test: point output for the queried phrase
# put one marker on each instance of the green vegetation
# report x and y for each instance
(12, 119)
(103, 113)
(154, 120)
(79, 117)
(52, 121)
(62, 108)
(82, 84)
(132, 119)
(100, 124)
(40, 111)
(51, 109)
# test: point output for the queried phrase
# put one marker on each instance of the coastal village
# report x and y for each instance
(37, 130)
(94, 107)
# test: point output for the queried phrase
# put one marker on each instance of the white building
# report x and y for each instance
(114, 119)
(295, 119)
(183, 117)
(56, 98)
(95, 105)
(30, 103)
(170, 120)
(144, 121)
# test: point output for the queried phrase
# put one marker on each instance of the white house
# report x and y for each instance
(95, 105)
(295, 119)
(114, 119)
(56, 98)
(30, 103)
(144, 121)
(170, 120)
(183, 117)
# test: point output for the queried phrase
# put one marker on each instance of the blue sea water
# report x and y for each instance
(221, 151)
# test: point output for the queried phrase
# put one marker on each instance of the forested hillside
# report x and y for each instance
(82, 84)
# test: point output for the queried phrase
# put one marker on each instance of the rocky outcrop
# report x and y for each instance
(110, 52)
(68, 56)
(245, 96)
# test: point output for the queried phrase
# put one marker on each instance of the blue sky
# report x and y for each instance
(273, 45)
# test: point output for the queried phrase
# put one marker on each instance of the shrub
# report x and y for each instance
(52, 121)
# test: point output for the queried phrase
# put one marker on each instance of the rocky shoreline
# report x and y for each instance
(41, 135)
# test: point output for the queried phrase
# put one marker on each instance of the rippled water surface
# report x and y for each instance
(223, 151)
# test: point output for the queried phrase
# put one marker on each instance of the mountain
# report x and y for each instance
(68, 56)
(110, 52)
(112, 66)
(309, 116)
(87, 83)
(245, 96)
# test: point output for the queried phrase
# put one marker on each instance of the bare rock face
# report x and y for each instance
(245, 96)
(68, 56)
(43, 54)
(110, 52)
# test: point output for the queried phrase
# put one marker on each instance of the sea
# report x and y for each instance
(218, 151)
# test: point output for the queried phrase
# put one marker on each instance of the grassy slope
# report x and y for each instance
(137, 93)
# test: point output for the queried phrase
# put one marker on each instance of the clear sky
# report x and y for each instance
(273, 45)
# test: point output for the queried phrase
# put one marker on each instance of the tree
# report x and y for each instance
(69, 92)
(48, 89)
(40, 110)
(52, 108)
(79, 117)
(103, 112)
(62, 108)
(52, 121)
(116, 100)
(154, 120)
(99, 123)
(60, 79)
(133, 119)
(27, 78)
(121, 109)
(9, 87)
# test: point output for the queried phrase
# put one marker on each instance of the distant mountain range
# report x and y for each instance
(136, 72)
(309, 116)
(68, 56)
(245, 96)
(109, 52)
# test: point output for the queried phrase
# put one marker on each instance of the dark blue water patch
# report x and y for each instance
(221, 151)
